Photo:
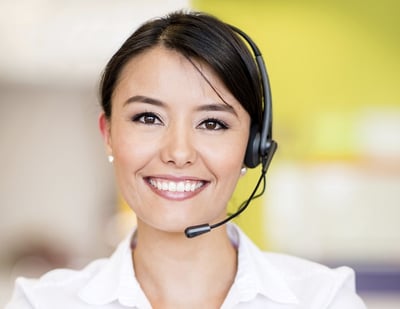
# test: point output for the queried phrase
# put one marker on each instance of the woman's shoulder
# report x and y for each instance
(69, 288)
(300, 282)
(315, 282)
(57, 284)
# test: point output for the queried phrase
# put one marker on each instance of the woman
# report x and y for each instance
(179, 99)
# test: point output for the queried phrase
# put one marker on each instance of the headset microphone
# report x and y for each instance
(260, 148)
(196, 230)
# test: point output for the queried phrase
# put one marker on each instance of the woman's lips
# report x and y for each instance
(176, 189)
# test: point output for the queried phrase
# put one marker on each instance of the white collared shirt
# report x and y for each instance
(263, 280)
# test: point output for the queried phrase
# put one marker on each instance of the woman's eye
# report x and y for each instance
(146, 118)
(213, 125)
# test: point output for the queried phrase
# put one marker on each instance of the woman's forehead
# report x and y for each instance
(160, 69)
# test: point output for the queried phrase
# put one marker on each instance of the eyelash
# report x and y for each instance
(141, 118)
(220, 125)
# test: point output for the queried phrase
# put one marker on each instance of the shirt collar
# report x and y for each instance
(256, 275)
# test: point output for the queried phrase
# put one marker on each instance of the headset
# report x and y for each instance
(260, 147)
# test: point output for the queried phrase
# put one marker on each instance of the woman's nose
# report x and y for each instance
(178, 146)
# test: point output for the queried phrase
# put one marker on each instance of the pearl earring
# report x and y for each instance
(243, 171)
(111, 158)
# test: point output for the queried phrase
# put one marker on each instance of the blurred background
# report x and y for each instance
(333, 190)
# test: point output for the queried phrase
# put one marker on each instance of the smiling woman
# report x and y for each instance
(182, 104)
(175, 130)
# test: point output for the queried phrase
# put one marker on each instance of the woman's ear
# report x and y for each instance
(105, 129)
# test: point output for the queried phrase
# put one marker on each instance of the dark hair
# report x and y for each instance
(199, 36)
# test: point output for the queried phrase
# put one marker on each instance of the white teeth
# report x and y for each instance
(172, 186)
(181, 186)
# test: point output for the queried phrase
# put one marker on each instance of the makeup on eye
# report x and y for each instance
(150, 111)
(148, 118)
(213, 124)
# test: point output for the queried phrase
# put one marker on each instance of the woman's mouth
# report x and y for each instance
(176, 189)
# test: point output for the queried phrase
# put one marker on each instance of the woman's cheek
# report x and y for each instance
(130, 145)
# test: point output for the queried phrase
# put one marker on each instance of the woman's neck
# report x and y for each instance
(175, 271)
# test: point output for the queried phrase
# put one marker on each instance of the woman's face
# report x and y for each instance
(178, 148)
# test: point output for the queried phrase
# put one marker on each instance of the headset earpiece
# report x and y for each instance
(252, 156)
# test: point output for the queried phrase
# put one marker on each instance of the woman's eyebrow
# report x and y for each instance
(143, 99)
(217, 107)
(204, 107)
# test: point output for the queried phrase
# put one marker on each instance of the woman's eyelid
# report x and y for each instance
(136, 110)
(223, 118)
(222, 125)
(138, 117)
